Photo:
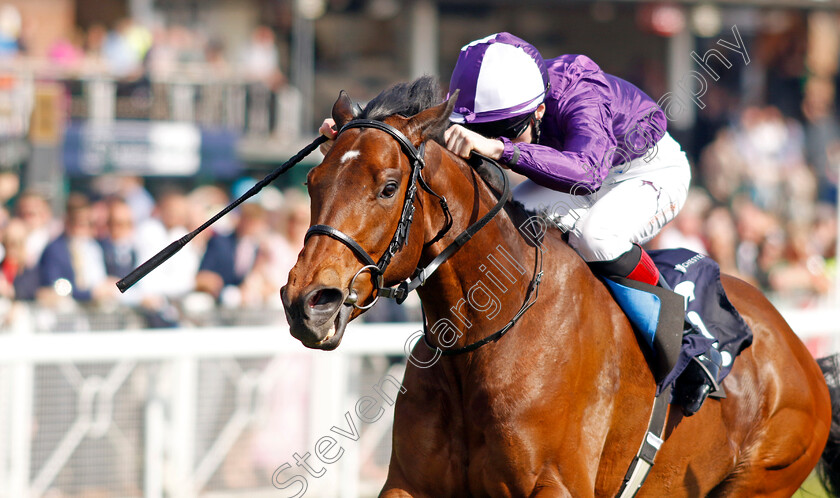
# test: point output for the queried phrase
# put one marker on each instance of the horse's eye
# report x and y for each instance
(389, 190)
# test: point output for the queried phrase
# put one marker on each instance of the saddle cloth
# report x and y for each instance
(709, 315)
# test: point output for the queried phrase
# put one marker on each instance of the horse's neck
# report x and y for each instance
(485, 283)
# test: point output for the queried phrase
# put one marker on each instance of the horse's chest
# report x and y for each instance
(500, 448)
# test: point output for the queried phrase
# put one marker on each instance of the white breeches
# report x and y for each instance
(634, 202)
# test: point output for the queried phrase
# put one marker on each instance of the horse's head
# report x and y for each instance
(357, 201)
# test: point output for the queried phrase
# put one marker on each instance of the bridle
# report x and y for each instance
(400, 237)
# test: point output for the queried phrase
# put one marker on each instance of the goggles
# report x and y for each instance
(510, 128)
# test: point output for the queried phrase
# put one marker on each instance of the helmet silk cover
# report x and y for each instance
(500, 77)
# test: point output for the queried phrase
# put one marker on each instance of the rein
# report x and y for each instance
(533, 288)
(377, 268)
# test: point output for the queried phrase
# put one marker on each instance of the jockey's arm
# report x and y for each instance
(462, 142)
(586, 127)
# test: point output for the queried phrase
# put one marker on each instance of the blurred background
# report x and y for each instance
(126, 123)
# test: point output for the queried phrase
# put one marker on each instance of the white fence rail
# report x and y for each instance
(212, 411)
(190, 412)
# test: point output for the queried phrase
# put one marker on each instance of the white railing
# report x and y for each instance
(208, 411)
(82, 389)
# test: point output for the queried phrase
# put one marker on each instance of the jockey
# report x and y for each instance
(594, 148)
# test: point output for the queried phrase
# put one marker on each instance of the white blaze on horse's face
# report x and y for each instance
(350, 154)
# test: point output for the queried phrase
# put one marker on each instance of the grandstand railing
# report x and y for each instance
(208, 411)
(194, 93)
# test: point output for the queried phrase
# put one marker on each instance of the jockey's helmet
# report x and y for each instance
(502, 80)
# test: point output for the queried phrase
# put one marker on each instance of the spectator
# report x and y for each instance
(176, 277)
(18, 281)
(9, 184)
(773, 150)
(798, 271)
(214, 56)
(771, 253)
(136, 196)
(275, 256)
(261, 286)
(722, 239)
(753, 226)
(206, 201)
(759, 167)
(822, 133)
(228, 259)
(824, 233)
(722, 168)
(162, 59)
(295, 219)
(10, 29)
(66, 52)
(95, 47)
(261, 60)
(130, 189)
(118, 247)
(687, 229)
(4, 216)
(73, 263)
(290, 223)
(125, 48)
(36, 213)
(259, 64)
(99, 216)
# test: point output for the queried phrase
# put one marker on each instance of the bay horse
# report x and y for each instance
(559, 405)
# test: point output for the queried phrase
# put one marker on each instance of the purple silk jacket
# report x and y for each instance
(593, 121)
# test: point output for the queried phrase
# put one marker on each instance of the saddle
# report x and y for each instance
(677, 330)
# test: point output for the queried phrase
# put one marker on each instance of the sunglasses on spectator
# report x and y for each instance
(511, 128)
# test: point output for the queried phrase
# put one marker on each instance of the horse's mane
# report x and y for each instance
(409, 98)
(405, 99)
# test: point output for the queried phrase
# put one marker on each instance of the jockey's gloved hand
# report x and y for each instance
(462, 142)
(329, 130)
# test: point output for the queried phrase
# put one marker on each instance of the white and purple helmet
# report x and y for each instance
(501, 77)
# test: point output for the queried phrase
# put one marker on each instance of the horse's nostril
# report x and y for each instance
(324, 297)
(313, 301)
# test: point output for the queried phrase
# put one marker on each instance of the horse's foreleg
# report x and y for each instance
(395, 486)
(395, 493)
(552, 492)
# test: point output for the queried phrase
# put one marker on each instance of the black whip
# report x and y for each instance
(170, 250)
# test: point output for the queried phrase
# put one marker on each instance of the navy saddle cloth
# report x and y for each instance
(708, 311)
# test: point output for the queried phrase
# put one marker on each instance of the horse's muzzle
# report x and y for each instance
(318, 318)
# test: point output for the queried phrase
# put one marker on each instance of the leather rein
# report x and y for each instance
(400, 238)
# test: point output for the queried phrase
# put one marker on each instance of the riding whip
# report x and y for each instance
(170, 250)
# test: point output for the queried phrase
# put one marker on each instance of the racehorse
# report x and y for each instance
(559, 404)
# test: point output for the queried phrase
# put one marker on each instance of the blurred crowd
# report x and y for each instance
(130, 51)
(241, 262)
(764, 202)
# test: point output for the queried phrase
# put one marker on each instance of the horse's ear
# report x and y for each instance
(344, 110)
(431, 123)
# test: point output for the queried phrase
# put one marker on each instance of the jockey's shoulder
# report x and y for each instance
(572, 62)
(567, 71)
